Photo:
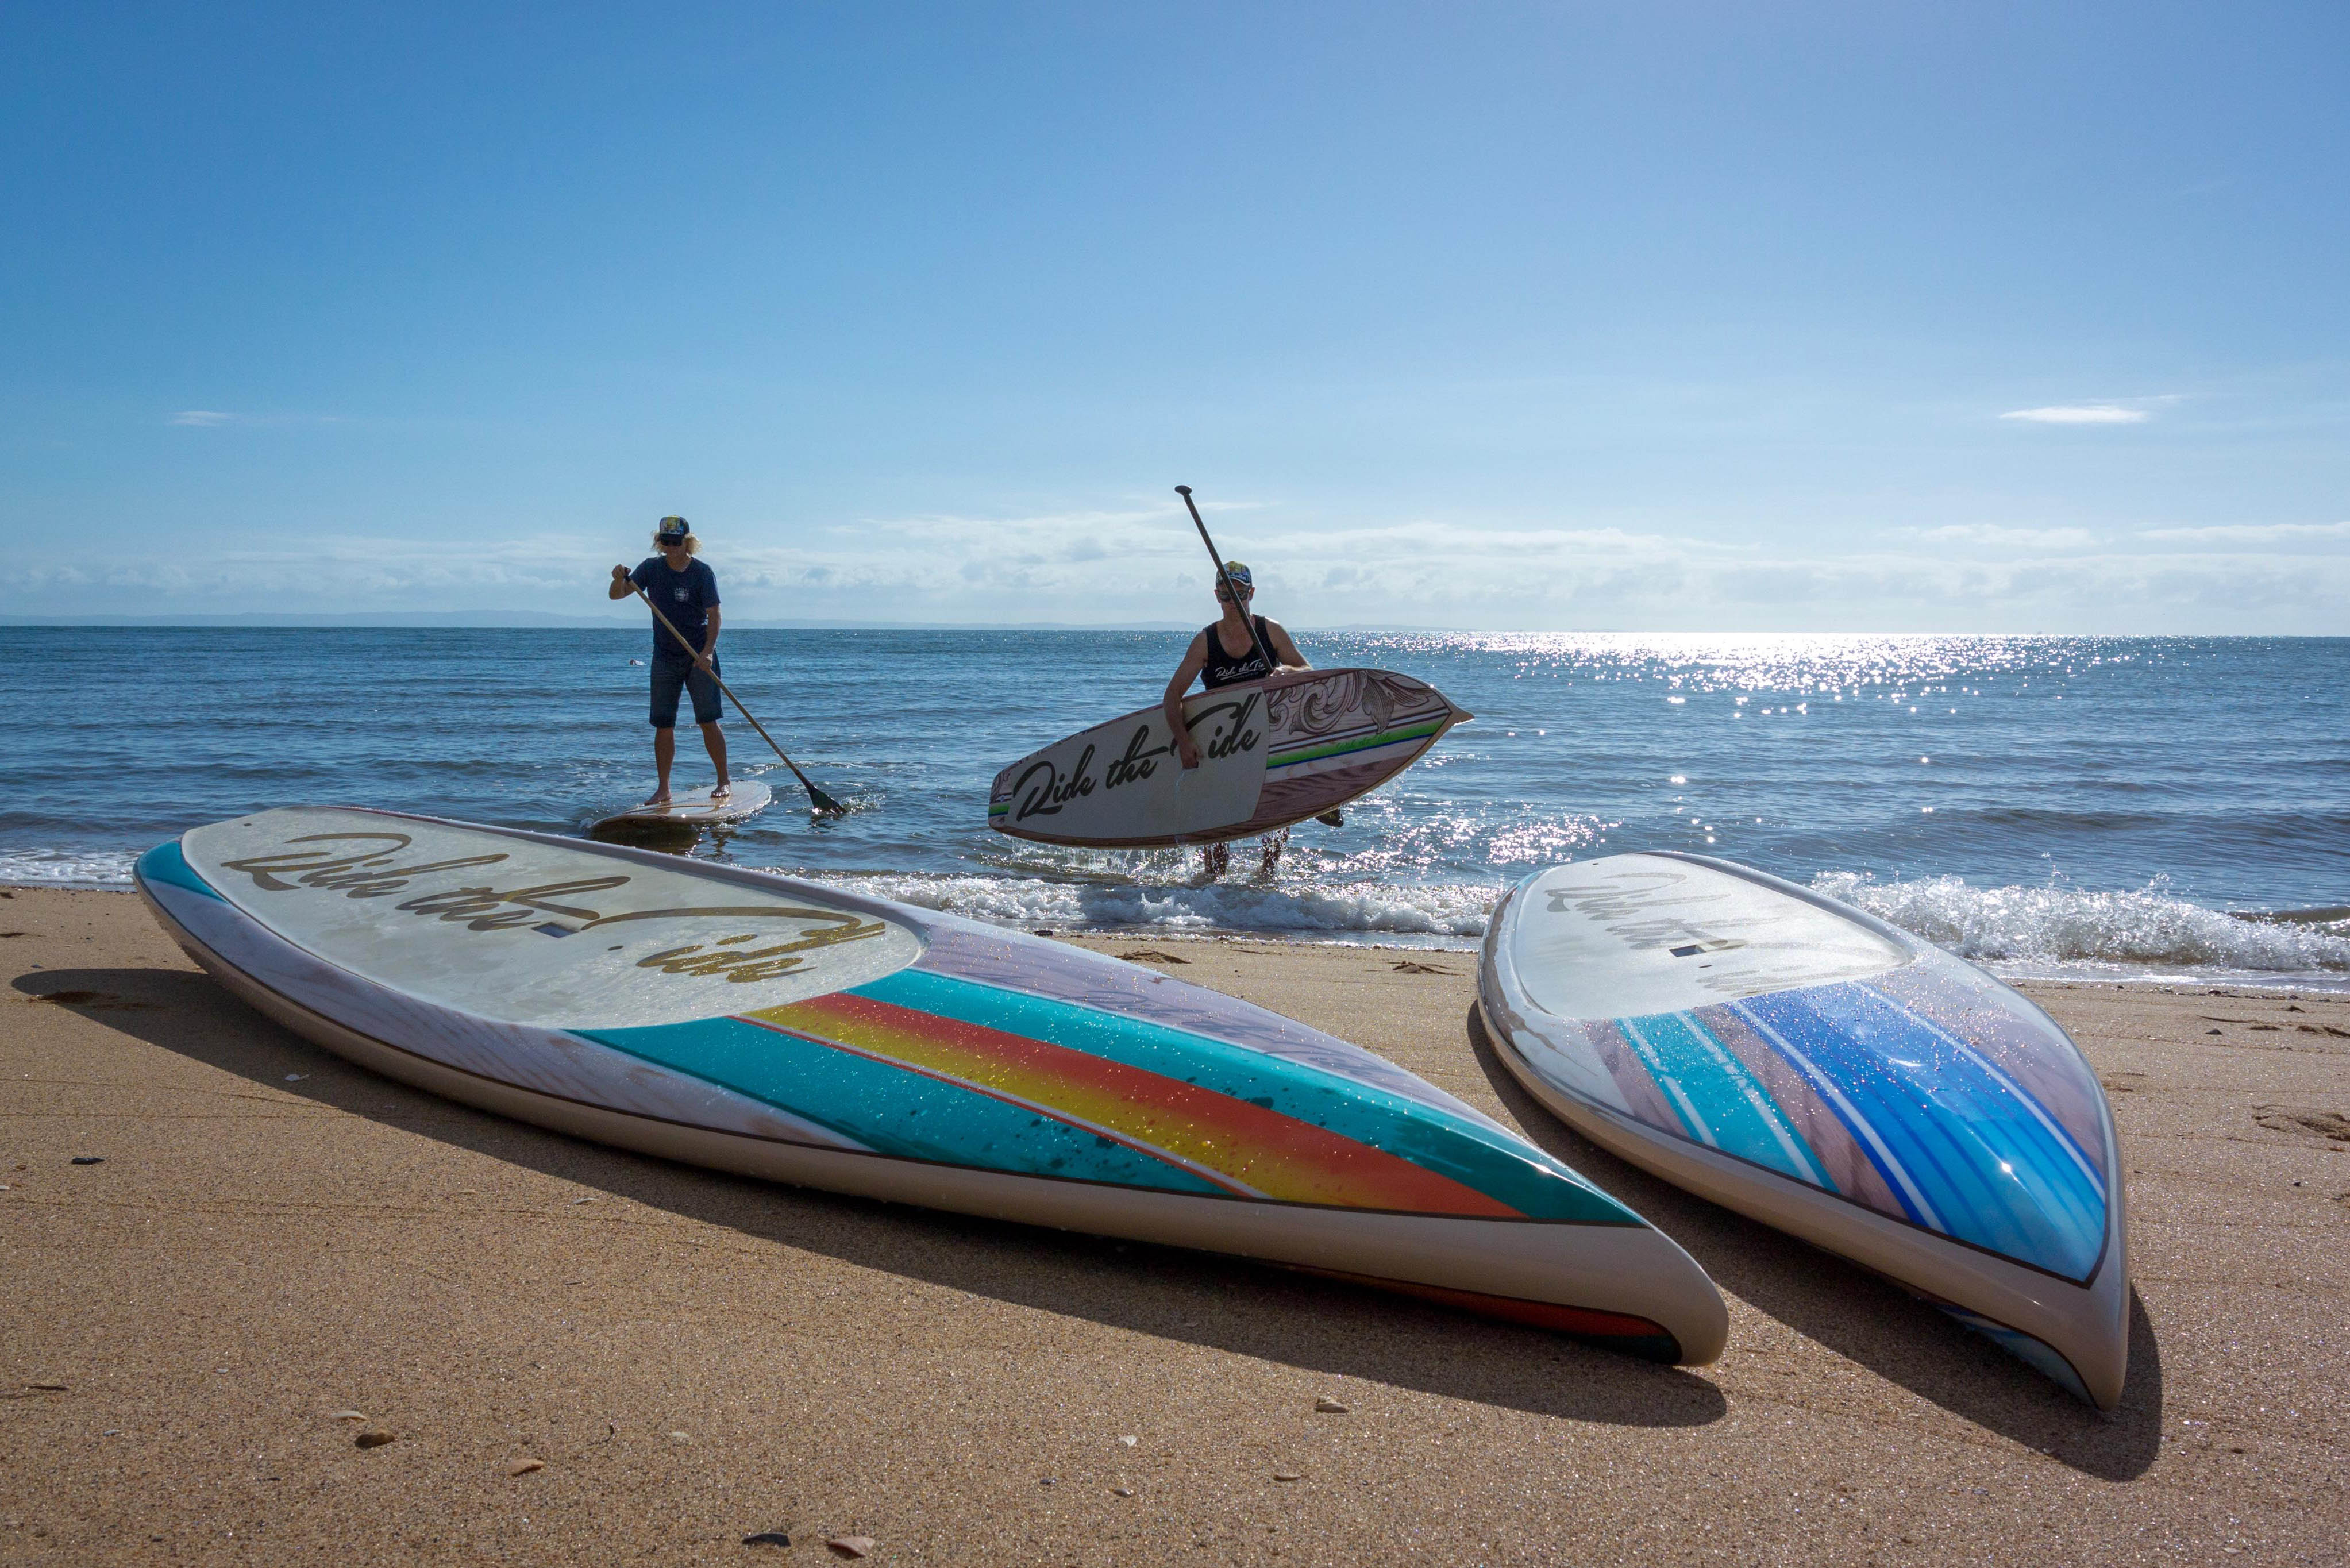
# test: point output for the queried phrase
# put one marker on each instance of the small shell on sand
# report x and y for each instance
(851, 1545)
(348, 1416)
(373, 1437)
(1329, 1407)
(523, 1467)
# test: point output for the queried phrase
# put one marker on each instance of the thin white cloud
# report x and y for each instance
(2253, 533)
(2079, 414)
(203, 419)
(2009, 538)
(1143, 561)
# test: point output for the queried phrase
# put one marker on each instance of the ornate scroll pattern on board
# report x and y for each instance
(1347, 700)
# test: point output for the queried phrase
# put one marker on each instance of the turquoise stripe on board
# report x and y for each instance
(165, 864)
(1719, 1101)
(1493, 1163)
(891, 1109)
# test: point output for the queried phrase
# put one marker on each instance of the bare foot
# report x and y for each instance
(659, 796)
(720, 790)
(1272, 845)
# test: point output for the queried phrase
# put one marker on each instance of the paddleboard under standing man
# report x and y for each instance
(1226, 654)
(684, 591)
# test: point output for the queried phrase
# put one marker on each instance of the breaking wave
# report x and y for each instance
(2059, 929)
(1449, 914)
(2050, 930)
(56, 869)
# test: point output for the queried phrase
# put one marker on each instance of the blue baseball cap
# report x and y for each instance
(672, 528)
(1240, 577)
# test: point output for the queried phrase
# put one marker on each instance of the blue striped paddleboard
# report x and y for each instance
(1793, 1059)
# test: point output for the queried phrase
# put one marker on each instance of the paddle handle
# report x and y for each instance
(1271, 663)
(824, 802)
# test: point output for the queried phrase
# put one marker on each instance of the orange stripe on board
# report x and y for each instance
(1279, 1156)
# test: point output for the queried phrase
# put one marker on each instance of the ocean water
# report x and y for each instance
(2046, 806)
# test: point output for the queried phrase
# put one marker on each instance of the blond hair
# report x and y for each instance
(692, 543)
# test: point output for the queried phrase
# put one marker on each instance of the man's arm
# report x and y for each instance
(622, 584)
(1170, 707)
(710, 643)
(1283, 648)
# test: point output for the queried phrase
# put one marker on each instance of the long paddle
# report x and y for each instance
(817, 797)
(1335, 818)
(1271, 663)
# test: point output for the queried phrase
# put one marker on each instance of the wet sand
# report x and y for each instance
(276, 1237)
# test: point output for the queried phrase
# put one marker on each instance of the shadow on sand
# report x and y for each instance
(1196, 1298)
(1866, 1317)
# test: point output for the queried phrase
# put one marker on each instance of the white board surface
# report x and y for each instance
(1123, 779)
(526, 931)
(1628, 936)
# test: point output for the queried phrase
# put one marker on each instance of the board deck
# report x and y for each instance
(783, 1029)
(694, 808)
(1795, 1059)
(1272, 753)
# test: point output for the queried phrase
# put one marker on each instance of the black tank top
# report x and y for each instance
(1223, 670)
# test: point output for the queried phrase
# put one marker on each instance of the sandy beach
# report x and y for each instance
(580, 1354)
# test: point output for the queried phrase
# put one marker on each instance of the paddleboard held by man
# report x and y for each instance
(683, 593)
(1239, 646)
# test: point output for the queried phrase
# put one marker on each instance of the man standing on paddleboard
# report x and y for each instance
(683, 592)
(1223, 655)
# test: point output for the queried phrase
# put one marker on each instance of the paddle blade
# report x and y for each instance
(824, 803)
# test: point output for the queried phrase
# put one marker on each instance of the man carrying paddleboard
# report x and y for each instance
(1232, 651)
(684, 593)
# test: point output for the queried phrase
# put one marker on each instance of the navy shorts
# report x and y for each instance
(671, 676)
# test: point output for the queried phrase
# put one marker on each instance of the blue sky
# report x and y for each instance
(1689, 316)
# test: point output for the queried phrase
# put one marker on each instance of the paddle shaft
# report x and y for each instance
(1271, 663)
(823, 802)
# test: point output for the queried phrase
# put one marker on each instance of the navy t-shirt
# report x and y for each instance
(686, 597)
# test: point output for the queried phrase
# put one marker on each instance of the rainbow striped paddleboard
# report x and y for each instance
(1789, 1057)
(779, 1028)
(1272, 753)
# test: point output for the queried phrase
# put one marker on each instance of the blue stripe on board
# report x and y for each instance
(1958, 1140)
(2089, 1169)
(1719, 1101)
(1905, 1193)
(1501, 1166)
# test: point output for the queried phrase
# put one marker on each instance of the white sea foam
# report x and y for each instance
(2060, 930)
(2050, 929)
(66, 868)
(1434, 913)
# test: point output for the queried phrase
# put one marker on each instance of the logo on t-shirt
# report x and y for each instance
(680, 594)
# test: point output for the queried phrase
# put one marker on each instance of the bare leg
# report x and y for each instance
(664, 753)
(715, 739)
(1271, 844)
(1215, 858)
